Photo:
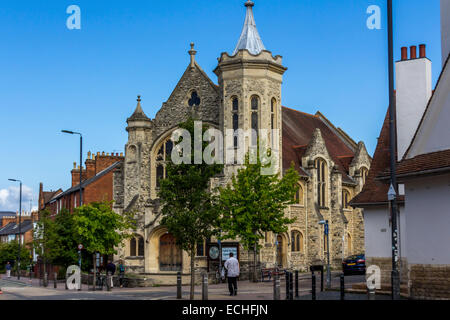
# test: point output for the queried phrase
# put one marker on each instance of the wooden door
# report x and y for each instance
(169, 254)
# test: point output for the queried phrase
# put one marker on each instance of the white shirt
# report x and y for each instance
(232, 265)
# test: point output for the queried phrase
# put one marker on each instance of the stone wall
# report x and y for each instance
(428, 281)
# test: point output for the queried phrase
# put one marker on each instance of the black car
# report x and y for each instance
(355, 264)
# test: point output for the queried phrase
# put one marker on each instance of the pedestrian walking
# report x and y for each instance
(111, 268)
(8, 270)
(232, 267)
(121, 273)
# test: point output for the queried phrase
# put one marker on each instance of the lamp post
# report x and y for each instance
(392, 197)
(325, 233)
(20, 230)
(81, 160)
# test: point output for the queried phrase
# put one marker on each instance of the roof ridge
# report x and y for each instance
(301, 112)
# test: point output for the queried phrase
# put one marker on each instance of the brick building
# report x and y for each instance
(97, 185)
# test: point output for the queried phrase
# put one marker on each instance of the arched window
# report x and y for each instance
(321, 167)
(140, 246)
(164, 152)
(364, 174)
(133, 247)
(345, 199)
(297, 241)
(235, 120)
(254, 118)
(299, 195)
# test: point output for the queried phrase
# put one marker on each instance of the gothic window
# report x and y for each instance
(297, 241)
(345, 199)
(254, 118)
(141, 246)
(364, 174)
(133, 247)
(235, 120)
(201, 249)
(163, 155)
(299, 195)
(321, 168)
(194, 101)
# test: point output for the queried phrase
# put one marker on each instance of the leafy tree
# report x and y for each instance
(100, 229)
(43, 237)
(187, 205)
(63, 242)
(9, 251)
(254, 203)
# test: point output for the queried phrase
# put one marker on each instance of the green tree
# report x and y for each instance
(9, 251)
(187, 204)
(100, 229)
(62, 240)
(254, 203)
(43, 237)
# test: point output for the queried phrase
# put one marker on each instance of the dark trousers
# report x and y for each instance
(232, 284)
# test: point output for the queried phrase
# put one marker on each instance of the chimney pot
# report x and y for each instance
(413, 52)
(74, 165)
(422, 51)
(98, 153)
(121, 154)
(103, 153)
(404, 53)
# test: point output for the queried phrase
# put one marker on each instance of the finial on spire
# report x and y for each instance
(139, 98)
(192, 53)
(249, 3)
(250, 38)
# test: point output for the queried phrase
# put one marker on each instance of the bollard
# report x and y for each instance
(276, 287)
(45, 279)
(342, 287)
(205, 287)
(55, 277)
(321, 281)
(296, 283)
(286, 276)
(291, 286)
(371, 293)
(179, 283)
(313, 291)
(108, 281)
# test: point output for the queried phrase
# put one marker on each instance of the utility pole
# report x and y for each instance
(81, 162)
(393, 191)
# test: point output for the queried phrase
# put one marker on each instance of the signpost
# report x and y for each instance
(80, 247)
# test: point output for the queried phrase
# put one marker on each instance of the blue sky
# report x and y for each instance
(52, 78)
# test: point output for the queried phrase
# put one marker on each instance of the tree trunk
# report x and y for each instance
(192, 274)
(254, 262)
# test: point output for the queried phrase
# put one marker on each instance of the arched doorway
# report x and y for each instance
(170, 255)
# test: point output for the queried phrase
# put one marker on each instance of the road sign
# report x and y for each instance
(80, 246)
(326, 228)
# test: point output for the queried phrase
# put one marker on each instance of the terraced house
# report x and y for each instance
(247, 95)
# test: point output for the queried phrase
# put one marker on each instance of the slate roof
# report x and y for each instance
(249, 38)
(298, 128)
(13, 228)
(7, 214)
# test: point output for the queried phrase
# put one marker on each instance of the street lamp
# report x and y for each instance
(325, 234)
(20, 230)
(395, 279)
(81, 160)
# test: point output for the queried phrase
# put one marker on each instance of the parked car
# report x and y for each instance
(355, 264)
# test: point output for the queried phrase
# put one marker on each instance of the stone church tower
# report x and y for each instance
(248, 96)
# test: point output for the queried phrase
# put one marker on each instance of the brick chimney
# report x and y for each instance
(413, 82)
(90, 166)
(104, 161)
(76, 174)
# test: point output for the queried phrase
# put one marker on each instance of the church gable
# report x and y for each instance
(433, 131)
(195, 95)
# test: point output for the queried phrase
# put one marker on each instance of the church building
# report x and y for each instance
(332, 166)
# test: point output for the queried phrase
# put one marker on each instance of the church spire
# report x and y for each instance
(138, 113)
(250, 38)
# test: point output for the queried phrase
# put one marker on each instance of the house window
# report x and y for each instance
(235, 120)
(164, 153)
(345, 199)
(299, 195)
(201, 249)
(297, 241)
(254, 118)
(137, 246)
(321, 182)
(141, 246)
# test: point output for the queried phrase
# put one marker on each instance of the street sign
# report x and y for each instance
(80, 246)
(326, 228)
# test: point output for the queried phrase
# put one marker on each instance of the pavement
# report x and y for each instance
(24, 289)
